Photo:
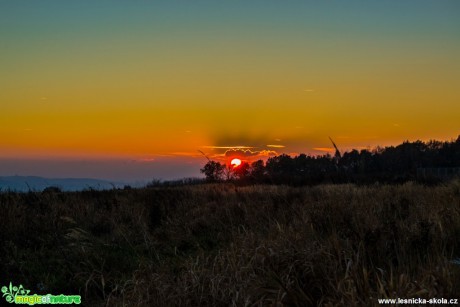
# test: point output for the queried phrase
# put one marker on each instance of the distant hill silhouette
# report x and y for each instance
(33, 183)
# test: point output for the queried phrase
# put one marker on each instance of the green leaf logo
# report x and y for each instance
(11, 292)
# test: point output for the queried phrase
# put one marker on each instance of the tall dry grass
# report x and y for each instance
(221, 245)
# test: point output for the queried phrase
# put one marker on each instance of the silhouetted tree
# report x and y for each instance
(280, 168)
(213, 171)
(257, 171)
(242, 171)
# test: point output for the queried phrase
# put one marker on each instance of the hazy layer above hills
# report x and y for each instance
(32, 183)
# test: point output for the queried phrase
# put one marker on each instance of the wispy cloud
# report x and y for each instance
(275, 146)
(268, 153)
(228, 147)
(308, 90)
(160, 157)
(240, 152)
(186, 154)
(249, 153)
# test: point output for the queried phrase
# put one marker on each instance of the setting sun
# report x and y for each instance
(235, 162)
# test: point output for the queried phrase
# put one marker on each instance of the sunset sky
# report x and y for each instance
(132, 90)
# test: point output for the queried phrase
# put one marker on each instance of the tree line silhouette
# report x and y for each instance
(393, 164)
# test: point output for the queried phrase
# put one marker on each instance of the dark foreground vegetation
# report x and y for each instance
(221, 245)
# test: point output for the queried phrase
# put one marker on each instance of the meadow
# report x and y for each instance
(227, 245)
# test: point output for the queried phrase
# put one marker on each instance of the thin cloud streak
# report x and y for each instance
(249, 153)
(276, 146)
(228, 147)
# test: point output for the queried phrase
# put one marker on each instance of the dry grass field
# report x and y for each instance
(226, 245)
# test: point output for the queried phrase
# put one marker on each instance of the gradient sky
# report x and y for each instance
(133, 89)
